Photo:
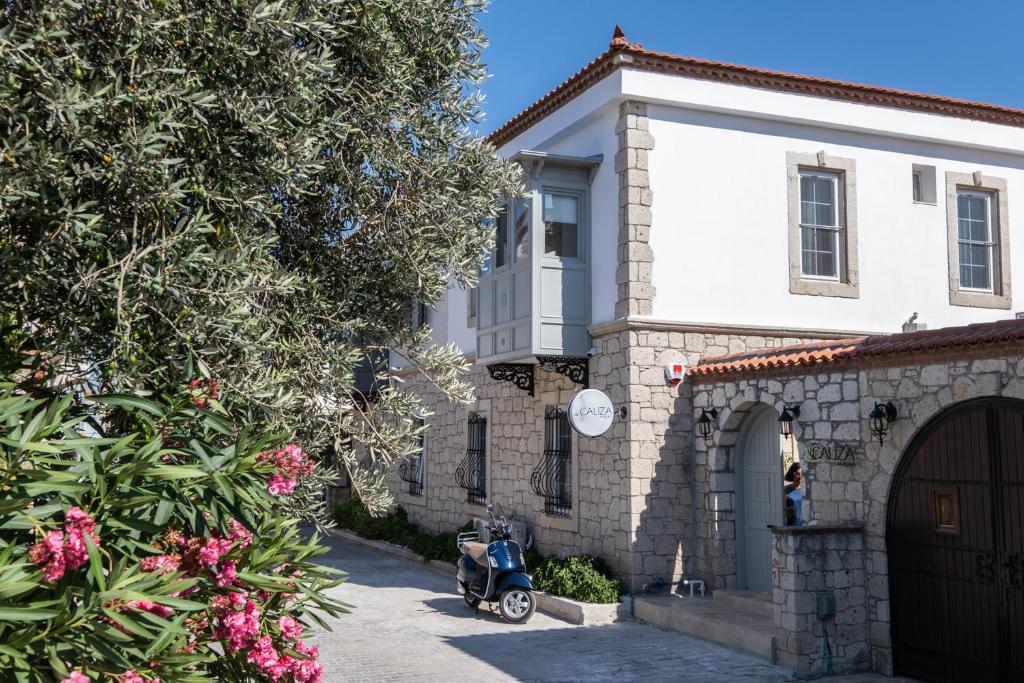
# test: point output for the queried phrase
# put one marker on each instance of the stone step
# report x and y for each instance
(738, 626)
(754, 600)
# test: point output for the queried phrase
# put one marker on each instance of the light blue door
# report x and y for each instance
(758, 497)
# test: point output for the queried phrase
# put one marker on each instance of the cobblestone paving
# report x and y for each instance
(409, 624)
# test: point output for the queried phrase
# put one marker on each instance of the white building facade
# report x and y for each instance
(680, 210)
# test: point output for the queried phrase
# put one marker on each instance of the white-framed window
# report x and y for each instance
(561, 225)
(500, 259)
(917, 183)
(820, 224)
(974, 239)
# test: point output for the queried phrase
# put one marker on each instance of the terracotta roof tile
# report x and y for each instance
(828, 352)
(634, 56)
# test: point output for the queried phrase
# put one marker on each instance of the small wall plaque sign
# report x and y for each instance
(833, 452)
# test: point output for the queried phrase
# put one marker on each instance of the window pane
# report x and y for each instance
(817, 200)
(974, 266)
(501, 240)
(561, 226)
(522, 232)
(806, 200)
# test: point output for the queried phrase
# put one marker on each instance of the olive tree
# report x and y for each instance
(254, 193)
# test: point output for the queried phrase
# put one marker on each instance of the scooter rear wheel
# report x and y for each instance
(471, 600)
(517, 605)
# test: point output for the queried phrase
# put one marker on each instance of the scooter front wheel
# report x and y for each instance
(517, 605)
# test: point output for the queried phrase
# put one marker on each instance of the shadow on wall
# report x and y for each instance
(664, 543)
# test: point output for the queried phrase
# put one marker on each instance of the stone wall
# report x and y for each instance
(515, 432)
(668, 481)
(835, 402)
(820, 560)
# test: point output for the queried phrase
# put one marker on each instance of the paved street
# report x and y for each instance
(409, 624)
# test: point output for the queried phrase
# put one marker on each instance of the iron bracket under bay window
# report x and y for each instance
(576, 369)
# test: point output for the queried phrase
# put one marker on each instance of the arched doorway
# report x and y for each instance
(955, 536)
(759, 492)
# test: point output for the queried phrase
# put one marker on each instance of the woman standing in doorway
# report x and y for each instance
(794, 496)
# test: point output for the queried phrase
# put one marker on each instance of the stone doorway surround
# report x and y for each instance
(842, 549)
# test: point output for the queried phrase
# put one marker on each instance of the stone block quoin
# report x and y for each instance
(635, 257)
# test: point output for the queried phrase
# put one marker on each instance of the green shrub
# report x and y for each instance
(396, 528)
(579, 577)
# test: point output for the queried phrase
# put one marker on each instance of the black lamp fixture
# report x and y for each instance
(705, 423)
(880, 419)
(789, 413)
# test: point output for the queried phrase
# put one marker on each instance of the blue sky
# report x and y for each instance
(969, 50)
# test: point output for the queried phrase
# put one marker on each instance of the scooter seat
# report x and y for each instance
(478, 551)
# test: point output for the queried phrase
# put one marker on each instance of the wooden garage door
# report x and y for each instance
(955, 530)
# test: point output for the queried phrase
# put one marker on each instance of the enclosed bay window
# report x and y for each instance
(974, 227)
(978, 238)
(534, 295)
(820, 228)
(822, 225)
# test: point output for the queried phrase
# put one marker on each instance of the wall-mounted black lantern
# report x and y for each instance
(880, 419)
(705, 423)
(789, 413)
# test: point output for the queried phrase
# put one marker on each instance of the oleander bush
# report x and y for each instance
(145, 538)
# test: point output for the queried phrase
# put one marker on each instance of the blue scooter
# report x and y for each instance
(494, 571)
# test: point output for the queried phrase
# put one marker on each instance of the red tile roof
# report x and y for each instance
(649, 60)
(821, 353)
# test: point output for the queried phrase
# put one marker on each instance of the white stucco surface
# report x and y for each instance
(720, 232)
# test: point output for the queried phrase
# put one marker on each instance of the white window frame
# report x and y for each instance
(837, 211)
(847, 282)
(1000, 295)
(990, 243)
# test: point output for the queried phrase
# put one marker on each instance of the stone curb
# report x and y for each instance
(572, 611)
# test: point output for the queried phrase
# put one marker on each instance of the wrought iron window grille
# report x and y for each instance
(576, 369)
(471, 474)
(552, 478)
(520, 374)
(410, 471)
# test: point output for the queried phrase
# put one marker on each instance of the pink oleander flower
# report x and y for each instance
(239, 533)
(167, 563)
(263, 654)
(203, 391)
(50, 553)
(280, 486)
(227, 575)
(239, 627)
(290, 463)
(209, 554)
(290, 629)
(161, 611)
(307, 670)
(76, 677)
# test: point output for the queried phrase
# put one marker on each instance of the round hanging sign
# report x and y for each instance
(590, 412)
